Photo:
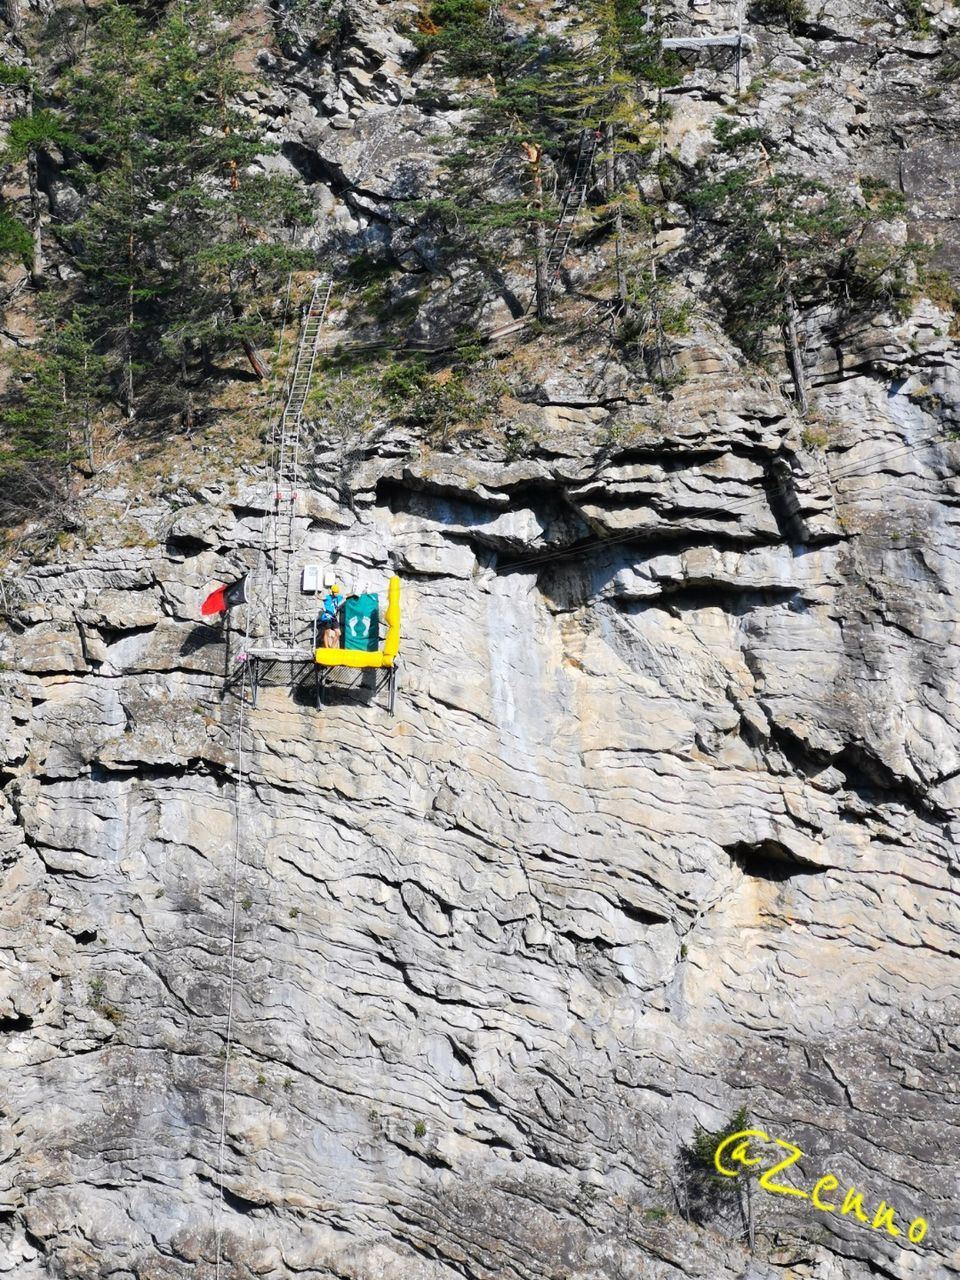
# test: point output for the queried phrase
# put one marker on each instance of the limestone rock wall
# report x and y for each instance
(665, 823)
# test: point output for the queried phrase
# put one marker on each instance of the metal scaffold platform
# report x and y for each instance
(737, 40)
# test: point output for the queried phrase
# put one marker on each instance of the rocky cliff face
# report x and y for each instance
(665, 823)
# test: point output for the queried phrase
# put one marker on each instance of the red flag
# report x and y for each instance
(225, 598)
(215, 602)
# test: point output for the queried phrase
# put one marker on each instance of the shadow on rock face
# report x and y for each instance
(771, 860)
(342, 687)
(199, 637)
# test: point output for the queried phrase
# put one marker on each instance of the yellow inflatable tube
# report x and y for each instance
(358, 657)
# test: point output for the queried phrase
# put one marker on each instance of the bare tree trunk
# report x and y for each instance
(88, 444)
(86, 427)
(656, 316)
(128, 337)
(750, 1233)
(740, 1205)
(14, 16)
(620, 248)
(620, 253)
(534, 154)
(542, 283)
(792, 343)
(186, 414)
(36, 256)
(257, 362)
(686, 1190)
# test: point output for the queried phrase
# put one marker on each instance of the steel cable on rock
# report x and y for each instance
(258, 574)
(232, 963)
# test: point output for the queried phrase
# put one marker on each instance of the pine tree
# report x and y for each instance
(707, 1192)
(31, 132)
(176, 239)
(786, 242)
(470, 37)
(50, 418)
(115, 230)
(539, 100)
(607, 87)
(494, 171)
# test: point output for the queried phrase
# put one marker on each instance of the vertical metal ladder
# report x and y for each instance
(284, 592)
(575, 193)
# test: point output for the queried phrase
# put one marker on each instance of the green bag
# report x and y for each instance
(361, 623)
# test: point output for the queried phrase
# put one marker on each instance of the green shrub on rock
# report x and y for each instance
(790, 12)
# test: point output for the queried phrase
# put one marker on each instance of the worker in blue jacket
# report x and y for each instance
(330, 618)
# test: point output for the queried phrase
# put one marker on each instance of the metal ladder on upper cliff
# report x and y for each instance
(575, 193)
(284, 593)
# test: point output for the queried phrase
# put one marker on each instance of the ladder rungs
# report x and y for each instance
(284, 620)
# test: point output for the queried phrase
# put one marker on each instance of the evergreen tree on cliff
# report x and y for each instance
(180, 232)
(32, 130)
(786, 242)
(538, 99)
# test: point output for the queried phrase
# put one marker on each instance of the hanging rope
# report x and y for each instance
(232, 965)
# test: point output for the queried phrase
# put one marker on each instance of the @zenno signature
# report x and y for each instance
(883, 1219)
